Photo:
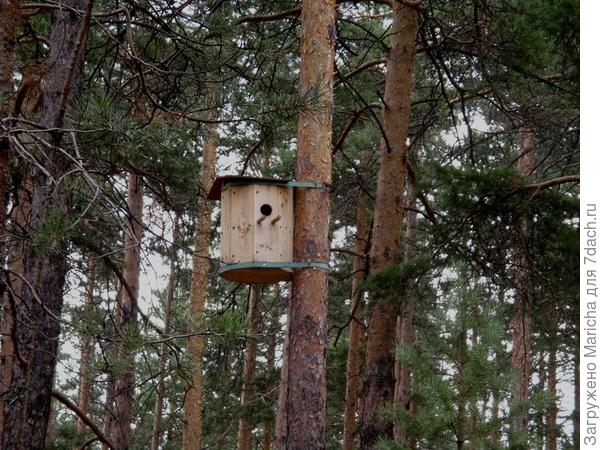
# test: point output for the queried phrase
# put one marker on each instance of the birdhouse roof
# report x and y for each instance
(217, 187)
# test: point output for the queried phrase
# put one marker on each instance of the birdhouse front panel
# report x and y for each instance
(256, 224)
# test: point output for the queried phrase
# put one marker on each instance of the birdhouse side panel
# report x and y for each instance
(267, 216)
(242, 224)
(286, 224)
(226, 227)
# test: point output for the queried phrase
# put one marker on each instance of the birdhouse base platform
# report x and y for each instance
(256, 273)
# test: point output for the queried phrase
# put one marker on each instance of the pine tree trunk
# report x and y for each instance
(356, 333)
(282, 401)
(576, 420)
(245, 425)
(552, 431)
(267, 426)
(193, 403)
(305, 394)
(162, 363)
(521, 352)
(405, 336)
(37, 328)
(87, 347)
(127, 309)
(387, 249)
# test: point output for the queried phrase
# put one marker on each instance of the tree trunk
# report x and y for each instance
(405, 337)
(387, 249)
(267, 435)
(245, 425)
(521, 352)
(552, 430)
(305, 394)
(127, 315)
(282, 402)
(162, 363)
(37, 328)
(87, 347)
(576, 421)
(193, 403)
(356, 332)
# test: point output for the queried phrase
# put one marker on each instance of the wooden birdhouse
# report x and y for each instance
(257, 227)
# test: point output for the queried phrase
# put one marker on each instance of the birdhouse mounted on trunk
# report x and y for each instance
(257, 227)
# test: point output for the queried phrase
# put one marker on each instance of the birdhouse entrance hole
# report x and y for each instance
(266, 209)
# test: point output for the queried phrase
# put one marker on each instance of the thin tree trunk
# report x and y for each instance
(87, 347)
(387, 249)
(576, 421)
(521, 352)
(282, 403)
(405, 336)
(356, 332)
(193, 403)
(109, 414)
(305, 394)
(127, 313)
(267, 426)
(552, 431)
(162, 363)
(37, 328)
(245, 425)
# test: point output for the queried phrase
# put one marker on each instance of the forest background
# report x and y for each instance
(448, 134)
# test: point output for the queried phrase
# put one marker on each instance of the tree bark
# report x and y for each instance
(521, 336)
(245, 425)
(305, 394)
(387, 249)
(87, 347)
(356, 332)
(37, 329)
(127, 315)
(267, 426)
(405, 337)
(576, 420)
(193, 403)
(282, 403)
(552, 430)
(162, 363)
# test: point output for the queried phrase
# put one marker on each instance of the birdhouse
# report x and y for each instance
(257, 226)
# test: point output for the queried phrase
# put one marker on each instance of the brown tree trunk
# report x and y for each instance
(405, 337)
(36, 317)
(576, 421)
(87, 347)
(162, 363)
(245, 425)
(8, 29)
(305, 393)
(267, 426)
(193, 403)
(552, 431)
(521, 337)
(387, 249)
(356, 332)
(127, 315)
(282, 401)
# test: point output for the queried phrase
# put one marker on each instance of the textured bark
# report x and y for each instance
(305, 393)
(386, 248)
(552, 430)
(356, 331)
(37, 331)
(405, 337)
(127, 315)
(8, 29)
(267, 426)
(193, 403)
(87, 346)
(162, 363)
(576, 421)
(521, 336)
(246, 425)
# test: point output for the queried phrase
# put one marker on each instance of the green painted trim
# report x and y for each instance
(307, 185)
(275, 265)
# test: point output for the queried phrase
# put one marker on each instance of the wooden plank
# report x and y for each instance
(266, 235)
(286, 224)
(226, 227)
(242, 223)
